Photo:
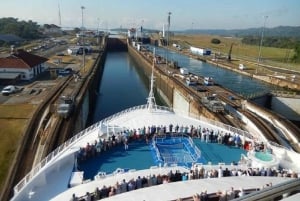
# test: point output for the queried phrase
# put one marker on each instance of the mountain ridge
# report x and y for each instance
(281, 31)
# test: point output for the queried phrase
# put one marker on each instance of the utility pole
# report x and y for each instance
(261, 42)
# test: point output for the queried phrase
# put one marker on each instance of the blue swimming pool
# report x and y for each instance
(267, 157)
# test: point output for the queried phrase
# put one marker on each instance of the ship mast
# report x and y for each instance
(151, 103)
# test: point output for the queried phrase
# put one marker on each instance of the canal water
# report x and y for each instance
(236, 82)
(124, 84)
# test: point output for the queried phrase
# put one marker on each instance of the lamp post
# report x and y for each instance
(169, 22)
(192, 27)
(82, 34)
(142, 28)
(261, 42)
(168, 37)
(82, 8)
(98, 35)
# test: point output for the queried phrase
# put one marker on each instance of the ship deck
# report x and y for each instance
(53, 181)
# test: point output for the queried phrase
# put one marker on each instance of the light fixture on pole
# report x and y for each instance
(261, 42)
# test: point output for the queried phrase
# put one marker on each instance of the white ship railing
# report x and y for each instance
(67, 144)
(195, 148)
(132, 109)
(158, 156)
(225, 126)
(98, 125)
(177, 159)
(195, 153)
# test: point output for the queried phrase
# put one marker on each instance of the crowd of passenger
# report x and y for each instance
(199, 172)
(196, 172)
(130, 185)
(225, 195)
(146, 133)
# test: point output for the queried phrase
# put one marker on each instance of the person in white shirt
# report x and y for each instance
(242, 192)
(220, 172)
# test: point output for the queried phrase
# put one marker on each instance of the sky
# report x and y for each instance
(153, 14)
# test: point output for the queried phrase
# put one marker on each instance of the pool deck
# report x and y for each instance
(139, 156)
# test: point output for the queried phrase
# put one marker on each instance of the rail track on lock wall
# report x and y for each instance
(265, 128)
(67, 124)
(33, 136)
(46, 129)
(269, 131)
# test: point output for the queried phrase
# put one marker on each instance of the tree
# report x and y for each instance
(215, 41)
(76, 30)
(271, 41)
(23, 29)
(296, 57)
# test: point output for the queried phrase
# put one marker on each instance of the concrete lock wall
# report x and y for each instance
(263, 101)
(180, 104)
(168, 90)
(287, 107)
(278, 82)
(163, 84)
(85, 106)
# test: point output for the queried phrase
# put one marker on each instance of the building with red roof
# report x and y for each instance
(21, 65)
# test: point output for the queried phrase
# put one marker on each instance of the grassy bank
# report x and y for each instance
(13, 121)
(280, 57)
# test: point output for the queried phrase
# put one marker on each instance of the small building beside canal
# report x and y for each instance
(200, 51)
(21, 65)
